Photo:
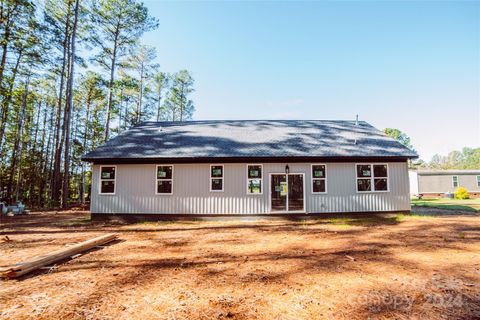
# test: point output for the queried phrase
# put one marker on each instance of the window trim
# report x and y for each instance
(372, 178)
(114, 181)
(156, 179)
(458, 181)
(248, 179)
(223, 177)
(313, 178)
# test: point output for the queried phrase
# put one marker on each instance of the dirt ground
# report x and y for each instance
(402, 267)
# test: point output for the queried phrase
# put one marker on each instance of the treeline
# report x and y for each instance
(467, 158)
(74, 73)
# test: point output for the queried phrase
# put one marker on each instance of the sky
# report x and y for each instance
(411, 65)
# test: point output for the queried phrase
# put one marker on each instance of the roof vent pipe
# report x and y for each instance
(356, 121)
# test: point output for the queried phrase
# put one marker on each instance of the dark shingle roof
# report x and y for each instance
(249, 138)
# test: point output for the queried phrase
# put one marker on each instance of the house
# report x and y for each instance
(438, 183)
(249, 167)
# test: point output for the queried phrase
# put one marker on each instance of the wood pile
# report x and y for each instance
(38, 262)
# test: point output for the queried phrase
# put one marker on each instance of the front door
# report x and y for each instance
(286, 192)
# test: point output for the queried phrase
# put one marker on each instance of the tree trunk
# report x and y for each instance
(139, 111)
(35, 159)
(48, 168)
(85, 135)
(56, 179)
(110, 83)
(5, 40)
(68, 113)
(159, 104)
(43, 158)
(7, 100)
(17, 142)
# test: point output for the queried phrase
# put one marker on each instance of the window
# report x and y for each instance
(319, 178)
(254, 179)
(478, 181)
(369, 180)
(455, 181)
(216, 178)
(164, 179)
(107, 179)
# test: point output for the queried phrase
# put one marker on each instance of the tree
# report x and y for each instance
(117, 26)
(91, 93)
(18, 37)
(468, 158)
(399, 136)
(178, 103)
(141, 62)
(161, 81)
(68, 108)
(54, 108)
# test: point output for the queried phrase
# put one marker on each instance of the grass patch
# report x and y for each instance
(472, 205)
(403, 217)
(75, 222)
(362, 221)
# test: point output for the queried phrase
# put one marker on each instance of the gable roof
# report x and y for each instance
(236, 139)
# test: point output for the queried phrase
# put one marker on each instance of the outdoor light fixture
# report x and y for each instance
(287, 169)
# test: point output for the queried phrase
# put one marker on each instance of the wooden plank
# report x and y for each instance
(37, 262)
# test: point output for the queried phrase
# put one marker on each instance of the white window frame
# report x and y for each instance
(478, 181)
(313, 178)
(211, 178)
(114, 181)
(453, 181)
(156, 179)
(372, 177)
(261, 180)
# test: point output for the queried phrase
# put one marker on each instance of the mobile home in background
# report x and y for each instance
(441, 183)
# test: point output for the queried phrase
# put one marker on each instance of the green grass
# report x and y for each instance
(362, 221)
(452, 204)
(75, 222)
(402, 217)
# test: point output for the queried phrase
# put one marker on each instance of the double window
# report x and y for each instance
(107, 179)
(254, 179)
(216, 178)
(455, 181)
(164, 179)
(372, 177)
(319, 178)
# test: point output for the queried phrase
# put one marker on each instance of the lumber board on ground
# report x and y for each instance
(37, 262)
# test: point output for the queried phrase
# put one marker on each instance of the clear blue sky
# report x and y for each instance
(408, 65)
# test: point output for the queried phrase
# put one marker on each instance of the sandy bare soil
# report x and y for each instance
(381, 267)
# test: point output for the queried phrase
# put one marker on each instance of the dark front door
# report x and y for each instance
(287, 192)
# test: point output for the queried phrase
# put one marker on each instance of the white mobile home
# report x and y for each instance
(437, 183)
(250, 167)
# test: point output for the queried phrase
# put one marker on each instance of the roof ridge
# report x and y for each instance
(254, 120)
